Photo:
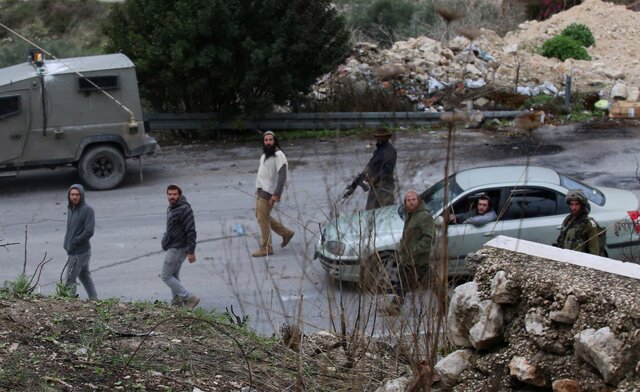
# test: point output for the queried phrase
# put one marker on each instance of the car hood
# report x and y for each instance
(380, 228)
(619, 199)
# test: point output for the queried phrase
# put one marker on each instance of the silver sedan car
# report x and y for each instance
(529, 202)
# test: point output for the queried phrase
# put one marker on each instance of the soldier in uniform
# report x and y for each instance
(579, 232)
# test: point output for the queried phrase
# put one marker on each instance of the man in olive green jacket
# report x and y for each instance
(579, 232)
(415, 252)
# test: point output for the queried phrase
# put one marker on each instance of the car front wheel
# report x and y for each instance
(378, 271)
(102, 167)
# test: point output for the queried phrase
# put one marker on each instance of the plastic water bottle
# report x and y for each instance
(239, 229)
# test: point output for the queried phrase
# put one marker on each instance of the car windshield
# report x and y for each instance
(434, 196)
(594, 195)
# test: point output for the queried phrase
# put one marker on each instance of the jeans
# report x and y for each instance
(171, 272)
(78, 267)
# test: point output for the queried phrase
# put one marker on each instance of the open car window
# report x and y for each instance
(533, 203)
(467, 204)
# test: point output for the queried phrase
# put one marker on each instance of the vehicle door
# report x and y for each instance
(466, 238)
(533, 214)
(14, 124)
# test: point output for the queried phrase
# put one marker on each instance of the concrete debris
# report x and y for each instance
(421, 66)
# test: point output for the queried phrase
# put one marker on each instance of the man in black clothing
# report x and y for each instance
(379, 171)
(180, 243)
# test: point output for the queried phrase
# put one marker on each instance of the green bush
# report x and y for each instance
(580, 33)
(563, 47)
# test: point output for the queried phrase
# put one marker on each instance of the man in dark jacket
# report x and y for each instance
(180, 243)
(579, 232)
(379, 172)
(80, 225)
(415, 251)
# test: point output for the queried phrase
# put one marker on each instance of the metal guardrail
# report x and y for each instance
(288, 121)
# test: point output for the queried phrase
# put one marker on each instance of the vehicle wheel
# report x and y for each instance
(102, 167)
(377, 272)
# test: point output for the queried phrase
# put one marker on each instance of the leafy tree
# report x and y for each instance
(218, 55)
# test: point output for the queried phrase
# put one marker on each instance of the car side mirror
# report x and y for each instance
(439, 221)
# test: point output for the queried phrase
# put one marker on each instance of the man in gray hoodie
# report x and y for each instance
(179, 240)
(80, 225)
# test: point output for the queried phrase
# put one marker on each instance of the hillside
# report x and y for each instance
(51, 344)
(63, 28)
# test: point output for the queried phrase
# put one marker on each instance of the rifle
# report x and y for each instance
(359, 181)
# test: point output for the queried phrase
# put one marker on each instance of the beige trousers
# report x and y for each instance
(267, 223)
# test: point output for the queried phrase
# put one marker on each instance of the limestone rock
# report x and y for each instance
(569, 313)
(602, 350)
(533, 323)
(619, 91)
(566, 385)
(633, 94)
(450, 367)
(522, 370)
(463, 313)
(458, 43)
(488, 330)
(395, 385)
(502, 290)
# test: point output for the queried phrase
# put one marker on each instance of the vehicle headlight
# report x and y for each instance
(335, 247)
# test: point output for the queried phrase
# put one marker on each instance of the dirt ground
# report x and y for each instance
(53, 344)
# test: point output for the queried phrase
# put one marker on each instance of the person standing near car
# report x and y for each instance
(414, 255)
(380, 171)
(272, 175)
(579, 232)
(80, 226)
(179, 241)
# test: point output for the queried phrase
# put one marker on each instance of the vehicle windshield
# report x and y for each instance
(434, 196)
(594, 195)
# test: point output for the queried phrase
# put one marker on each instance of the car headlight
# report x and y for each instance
(335, 247)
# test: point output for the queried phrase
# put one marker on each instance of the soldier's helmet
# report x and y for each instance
(579, 196)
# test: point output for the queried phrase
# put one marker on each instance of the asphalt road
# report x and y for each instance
(218, 180)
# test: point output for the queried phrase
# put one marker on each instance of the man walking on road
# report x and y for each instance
(272, 175)
(380, 170)
(80, 225)
(180, 243)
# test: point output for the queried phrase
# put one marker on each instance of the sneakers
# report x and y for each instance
(192, 301)
(262, 252)
(286, 238)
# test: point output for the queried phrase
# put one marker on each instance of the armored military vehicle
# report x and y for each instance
(83, 112)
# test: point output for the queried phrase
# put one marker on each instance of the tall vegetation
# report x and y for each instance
(220, 55)
(387, 21)
(63, 28)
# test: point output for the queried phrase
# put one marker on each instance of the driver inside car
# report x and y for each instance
(482, 214)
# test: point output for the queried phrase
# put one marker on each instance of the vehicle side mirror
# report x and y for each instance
(439, 221)
(401, 212)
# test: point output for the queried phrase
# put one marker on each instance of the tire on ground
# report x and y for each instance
(375, 272)
(102, 167)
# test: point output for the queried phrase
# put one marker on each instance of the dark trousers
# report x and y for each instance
(410, 277)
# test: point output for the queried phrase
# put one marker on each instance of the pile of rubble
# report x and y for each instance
(421, 67)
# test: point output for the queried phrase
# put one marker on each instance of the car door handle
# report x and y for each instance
(15, 136)
(489, 234)
(559, 227)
